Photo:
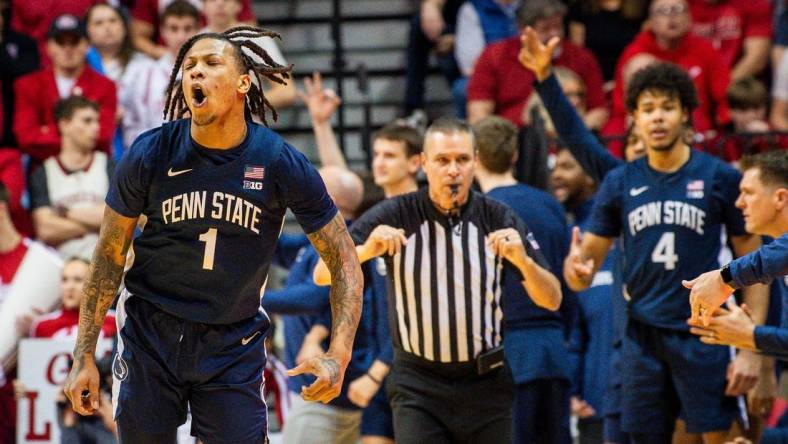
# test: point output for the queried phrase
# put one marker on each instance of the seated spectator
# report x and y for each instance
(111, 52)
(479, 23)
(779, 115)
(606, 27)
(63, 323)
(147, 21)
(488, 94)
(221, 15)
(748, 100)
(575, 91)
(13, 176)
(668, 38)
(37, 93)
(144, 88)
(18, 56)
(740, 30)
(432, 28)
(35, 17)
(67, 191)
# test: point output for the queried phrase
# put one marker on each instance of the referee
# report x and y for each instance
(447, 250)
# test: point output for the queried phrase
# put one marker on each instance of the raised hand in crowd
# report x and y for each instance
(321, 103)
(535, 55)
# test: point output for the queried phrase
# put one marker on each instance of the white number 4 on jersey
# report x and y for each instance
(665, 251)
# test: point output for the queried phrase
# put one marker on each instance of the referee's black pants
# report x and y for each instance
(437, 408)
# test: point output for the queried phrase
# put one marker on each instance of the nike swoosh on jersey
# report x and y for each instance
(636, 191)
(172, 173)
(245, 341)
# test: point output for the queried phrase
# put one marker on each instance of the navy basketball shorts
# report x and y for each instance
(164, 363)
(669, 374)
(376, 419)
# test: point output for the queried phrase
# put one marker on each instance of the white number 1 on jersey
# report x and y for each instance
(209, 237)
(665, 251)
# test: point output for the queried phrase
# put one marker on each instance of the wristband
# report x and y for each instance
(374, 379)
(727, 277)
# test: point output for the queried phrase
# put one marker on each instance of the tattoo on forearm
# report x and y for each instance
(336, 248)
(103, 280)
(332, 367)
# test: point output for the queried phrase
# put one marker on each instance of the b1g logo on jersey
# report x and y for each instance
(695, 189)
(253, 177)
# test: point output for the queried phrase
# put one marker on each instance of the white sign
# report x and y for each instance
(42, 368)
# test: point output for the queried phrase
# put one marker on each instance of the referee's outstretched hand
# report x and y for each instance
(82, 386)
(329, 371)
(385, 240)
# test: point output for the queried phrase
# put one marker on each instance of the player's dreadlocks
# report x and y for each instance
(239, 37)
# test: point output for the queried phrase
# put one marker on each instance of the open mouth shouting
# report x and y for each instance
(198, 96)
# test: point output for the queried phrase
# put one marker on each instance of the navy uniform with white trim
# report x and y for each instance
(190, 324)
(671, 226)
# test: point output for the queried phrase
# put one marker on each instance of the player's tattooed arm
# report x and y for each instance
(336, 248)
(101, 284)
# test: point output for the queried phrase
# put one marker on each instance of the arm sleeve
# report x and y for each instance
(38, 188)
(382, 329)
(33, 140)
(772, 340)
(303, 190)
(469, 42)
(384, 213)
(595, 159)
(727, 191)
(578, 339)
(128, 187)
(108, 105)
(759, 20)
(299, 299)
(762, 266)
(482, 84)
(605, 219)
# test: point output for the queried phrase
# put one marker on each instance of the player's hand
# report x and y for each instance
(82, 386)
(361, 390)
(581, 409)
(743, 373)
(308, 350)
(760, 400)
(707, 293)
(329, 370)
(535, 55)
(577, 270)
(508, 244)
(432, 23)
(732, 326)
(321, 103)
(385, 240)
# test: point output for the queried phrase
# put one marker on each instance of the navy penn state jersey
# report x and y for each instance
(671, 225)
(214, 217)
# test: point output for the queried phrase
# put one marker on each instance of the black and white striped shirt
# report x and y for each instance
(445, 284)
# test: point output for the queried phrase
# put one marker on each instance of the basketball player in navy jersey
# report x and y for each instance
(670, 208)
(214, 189)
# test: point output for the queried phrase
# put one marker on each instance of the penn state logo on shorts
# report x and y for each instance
(119, 368)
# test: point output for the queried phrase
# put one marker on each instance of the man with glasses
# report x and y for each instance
(667, 37)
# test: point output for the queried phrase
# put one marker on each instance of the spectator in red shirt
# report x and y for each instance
(12, 175)
(668, 38)
(63, 323)
(145, 23)
(501, 85)
(739, 29)
(33, 17)
(37, 93)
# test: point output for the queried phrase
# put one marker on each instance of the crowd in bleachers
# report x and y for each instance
(81, 79)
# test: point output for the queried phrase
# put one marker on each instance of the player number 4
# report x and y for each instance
(209, 237)
(665, 251)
